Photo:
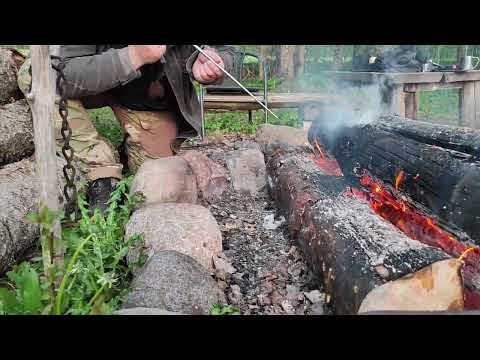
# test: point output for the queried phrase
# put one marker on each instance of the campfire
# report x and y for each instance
(389, 200)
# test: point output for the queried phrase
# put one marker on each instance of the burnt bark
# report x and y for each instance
(440, 163)
(350, 248)
(16, 132)
(10, 61)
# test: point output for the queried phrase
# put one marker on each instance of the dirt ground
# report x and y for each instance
(268, 274)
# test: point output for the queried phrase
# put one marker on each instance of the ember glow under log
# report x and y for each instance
(364, 262)
(434, 168)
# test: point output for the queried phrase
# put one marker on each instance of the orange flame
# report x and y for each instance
(399, 179)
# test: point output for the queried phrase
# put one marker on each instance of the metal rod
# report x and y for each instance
(235, 80)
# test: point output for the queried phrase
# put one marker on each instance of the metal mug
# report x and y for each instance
(466, 63)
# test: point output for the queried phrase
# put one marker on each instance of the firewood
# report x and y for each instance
(10, 62)
(16, 132)
(352, 250)
(439, 164)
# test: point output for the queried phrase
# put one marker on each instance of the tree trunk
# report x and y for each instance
(287, 66)
(355, 253)
(10, 61)
(338, 58)
(16, 132)
(299, 60)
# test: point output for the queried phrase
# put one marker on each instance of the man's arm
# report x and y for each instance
(226, 52)
(89, 73)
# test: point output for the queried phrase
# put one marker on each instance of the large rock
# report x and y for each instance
(19, 192)
(186, 228)
(165, 180)
(144, 311)
(10, 62)
(174, 282)
(16, 132)
(211, 177)
(267, 134)
(247, 170)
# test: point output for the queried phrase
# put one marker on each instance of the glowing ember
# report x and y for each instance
(410, 221)
(328, 165)
(422, 228)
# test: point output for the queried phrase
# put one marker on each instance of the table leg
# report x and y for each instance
(411, 105)
(250, 116)
(467, 105)
(477, 104)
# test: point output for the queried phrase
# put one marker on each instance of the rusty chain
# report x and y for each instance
(69, 190)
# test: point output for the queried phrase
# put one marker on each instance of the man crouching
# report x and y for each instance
(150, 90)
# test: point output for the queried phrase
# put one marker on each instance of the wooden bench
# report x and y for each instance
(404, 88)
(241, 102)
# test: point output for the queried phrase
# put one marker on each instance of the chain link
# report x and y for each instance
(69, 190)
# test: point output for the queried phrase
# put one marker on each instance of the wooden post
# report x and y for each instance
(411, 105)
(467, 104)
(42, 98)
(477, 104)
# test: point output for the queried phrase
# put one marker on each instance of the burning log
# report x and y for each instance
(433, 168)
(16, 132)
(363, 261)
(10, 62)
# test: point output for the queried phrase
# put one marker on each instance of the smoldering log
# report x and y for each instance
(10, 62)
(16, 132)
(440, 164)
(350, 248)
(19, 194)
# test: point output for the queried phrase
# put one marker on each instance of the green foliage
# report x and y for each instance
(224, 310)
(96, 275)
(26, 295)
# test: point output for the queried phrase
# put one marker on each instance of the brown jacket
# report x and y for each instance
(95, 69)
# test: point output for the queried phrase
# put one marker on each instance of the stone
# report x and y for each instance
(247, 170)
(292, 293)
(166, 180)
(144, 311)
(174, 282)
(187, 228)
(318, 308)
(314, 296)
(222, 264)
(268, 133)
(211, 177)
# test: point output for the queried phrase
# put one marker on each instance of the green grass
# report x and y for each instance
(439, 106)
(237, 121)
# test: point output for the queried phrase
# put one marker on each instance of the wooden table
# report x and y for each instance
(402, 90)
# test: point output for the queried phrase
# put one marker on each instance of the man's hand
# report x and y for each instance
(204, 71)
(145, 54)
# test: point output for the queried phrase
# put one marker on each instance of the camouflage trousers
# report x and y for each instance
(148, 134)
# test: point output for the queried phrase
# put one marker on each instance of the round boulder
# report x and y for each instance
(174, 282)
(166, 180)
(187, 228)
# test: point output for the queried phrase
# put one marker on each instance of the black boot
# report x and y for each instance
(99, 192)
